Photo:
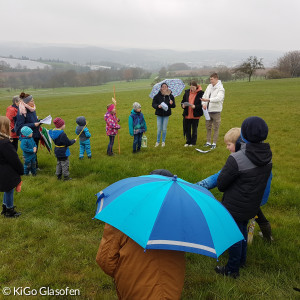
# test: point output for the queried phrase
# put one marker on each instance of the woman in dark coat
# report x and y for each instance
(191, 103)
(10, 169)
(27, 117)
(162, 103)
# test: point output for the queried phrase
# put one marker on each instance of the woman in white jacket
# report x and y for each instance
(212, 100)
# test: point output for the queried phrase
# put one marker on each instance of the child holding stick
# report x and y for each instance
(62, 151)
(112, 127)
(84, 137)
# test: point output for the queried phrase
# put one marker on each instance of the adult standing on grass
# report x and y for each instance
(162, 103)
(191, 103)
(212, 100)
(11, 169)
(139, 274)
(11, 114)
(27, 117)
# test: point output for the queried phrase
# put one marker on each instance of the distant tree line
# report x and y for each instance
(53, 78)
(288, 66)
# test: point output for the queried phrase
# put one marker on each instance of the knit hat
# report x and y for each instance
(136, 105)
(26, 131)
(27, 99)
(254, 130)
(163, 172)
(81, 121)
(58, 122)
(110, 107)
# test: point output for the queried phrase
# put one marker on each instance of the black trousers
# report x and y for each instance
(15, 143)
(191, 131)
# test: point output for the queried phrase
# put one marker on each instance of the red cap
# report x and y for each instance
(58, 122)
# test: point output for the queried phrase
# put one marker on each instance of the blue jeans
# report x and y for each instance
(162, 123)
(137, 141)
(8, 198)
(238, 251)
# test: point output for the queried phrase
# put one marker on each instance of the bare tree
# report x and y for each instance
(290, 64)
(162, 72)
(250, 66)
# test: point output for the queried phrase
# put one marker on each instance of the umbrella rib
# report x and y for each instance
(183, 244)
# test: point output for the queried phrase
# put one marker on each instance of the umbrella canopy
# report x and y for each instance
(160, 212)
(45, 138)
(175, 85)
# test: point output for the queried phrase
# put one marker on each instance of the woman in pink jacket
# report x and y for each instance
(112, 127)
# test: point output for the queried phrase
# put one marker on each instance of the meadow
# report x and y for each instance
(55, 240)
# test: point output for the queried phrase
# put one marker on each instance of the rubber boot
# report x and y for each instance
(11, 213)
(3, 209)
(266, 231)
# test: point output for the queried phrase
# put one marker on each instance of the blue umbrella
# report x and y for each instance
(175, 85)
(161, 212)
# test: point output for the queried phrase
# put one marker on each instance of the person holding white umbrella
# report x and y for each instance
(162, 103)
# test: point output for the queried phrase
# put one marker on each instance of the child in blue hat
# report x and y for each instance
(28, 146)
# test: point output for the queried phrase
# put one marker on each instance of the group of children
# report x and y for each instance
(136, 123)
(61, 151)
(13, 167)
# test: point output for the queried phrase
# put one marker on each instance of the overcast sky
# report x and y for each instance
(159, 24)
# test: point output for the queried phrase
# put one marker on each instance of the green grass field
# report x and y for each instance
(54, 242)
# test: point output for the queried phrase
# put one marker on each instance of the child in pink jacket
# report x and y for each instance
(112, 127)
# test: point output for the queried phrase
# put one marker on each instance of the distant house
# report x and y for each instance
(98, 67)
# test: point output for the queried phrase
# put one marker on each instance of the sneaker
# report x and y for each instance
(67, 178)
(163, 144)
(223, 271)
(186, 145)
(191, 145)
(207, 144)
(89, 157)
(80, 158)
(213, 146)
(156, 144)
